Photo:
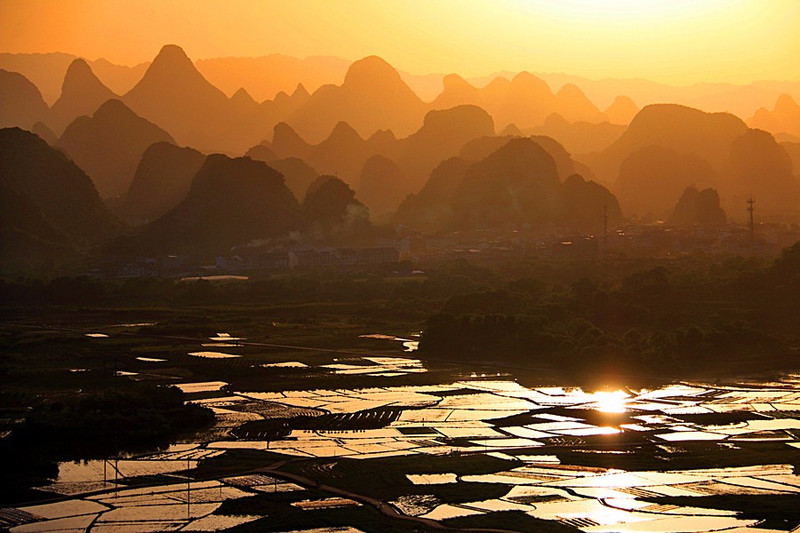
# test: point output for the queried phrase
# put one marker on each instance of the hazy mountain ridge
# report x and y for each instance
(266, 76)
(82, 93)
(21, 104)
(517, 183)
(256, 75)
(174, 94)
(698, 207)
(259, 77)
(371, 97)
(47, 71)
(109, 145)
(652, 178)
(230, 202)
(377, 141)
(783, 118)
(236, 202)
(344, 152)
(382, 185)
(334, 212)
(162, 180)
(51, 209)
(669, 147)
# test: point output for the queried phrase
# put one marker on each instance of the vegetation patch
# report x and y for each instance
(280, 427)
(510, 520)
(136, 416)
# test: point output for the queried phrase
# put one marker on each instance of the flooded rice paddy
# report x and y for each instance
(594, 460)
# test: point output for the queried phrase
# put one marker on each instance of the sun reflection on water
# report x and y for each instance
(610, 401)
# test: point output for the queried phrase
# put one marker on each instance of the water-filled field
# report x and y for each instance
(469, 451)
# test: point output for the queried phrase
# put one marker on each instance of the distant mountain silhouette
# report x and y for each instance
(584, 204)
(22, 219)
(786, 138)
(28, 243)
(526, 103)
(47, 72)
(264, 77)
(287, 143)
(21, 103)
(174, 95)
(483, 147)
(297, 174)
(110, 144)
(741, 100)
(231, 202)
(579, 137)
(261, 152)
(511, 131)
(243, 102)
(431, 209)
(784, 118)
(621, 111)
(652, 179)
(81, 94)
(384, 142)
(495, 92)
(682, 129)
(698, 208)
(762, 168)
(518, 183)
(574, 106)
(685, 129)
(457, 91)
(562, 158)
(50, 207)
(284, 105)
(42, 130)
(668, 148)
(372, 97)
(793, 149)
(333, 210)
(765, 119)
(442, 135)
(118, 78)
(342, 154)
(162, 180)
(382, 185)
(373, 116)
(298, 97)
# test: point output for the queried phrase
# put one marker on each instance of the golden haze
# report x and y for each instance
(670, 41)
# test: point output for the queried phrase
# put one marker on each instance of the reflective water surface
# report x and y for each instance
(559, 444)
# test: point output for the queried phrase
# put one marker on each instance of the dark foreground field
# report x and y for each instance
(72, 346)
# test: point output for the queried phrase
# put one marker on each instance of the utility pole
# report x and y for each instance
(605, 227)
(188, 490)
(750, 209)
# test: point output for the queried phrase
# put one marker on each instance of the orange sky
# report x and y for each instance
(671, 41)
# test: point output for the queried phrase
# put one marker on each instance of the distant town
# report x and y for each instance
(635, 240)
